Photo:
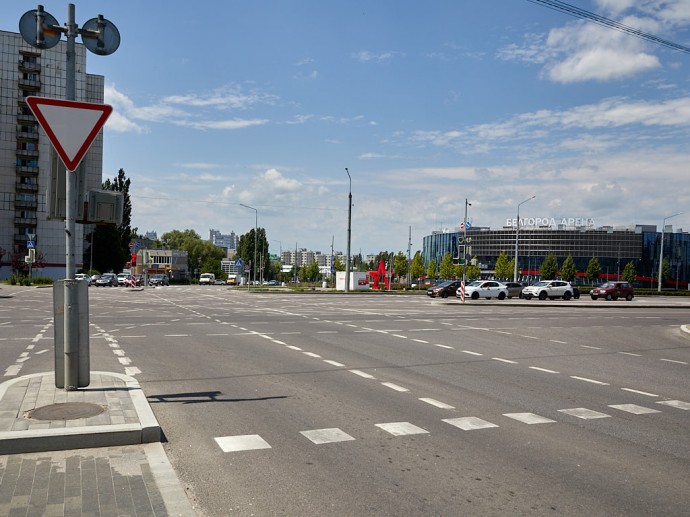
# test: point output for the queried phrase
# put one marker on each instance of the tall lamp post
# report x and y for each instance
(464, 242)
(661, 251)
(256, 236)
(517, 235)
(349, 234)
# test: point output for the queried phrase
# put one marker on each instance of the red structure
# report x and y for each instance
(377, 275)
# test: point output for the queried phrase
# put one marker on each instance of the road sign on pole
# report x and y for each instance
(71, 126)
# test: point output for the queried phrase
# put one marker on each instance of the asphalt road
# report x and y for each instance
(310, 404)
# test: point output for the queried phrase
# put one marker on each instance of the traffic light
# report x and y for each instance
(134, 259)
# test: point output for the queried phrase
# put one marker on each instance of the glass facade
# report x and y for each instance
(612, 248)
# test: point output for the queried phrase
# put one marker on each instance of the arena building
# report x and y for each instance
(578, 238)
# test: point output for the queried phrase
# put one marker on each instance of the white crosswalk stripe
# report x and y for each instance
(401, 428)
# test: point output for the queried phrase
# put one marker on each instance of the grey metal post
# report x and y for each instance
(517, 233)
(70, 315)
(349, 234)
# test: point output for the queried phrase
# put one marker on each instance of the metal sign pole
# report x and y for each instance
(71, 338)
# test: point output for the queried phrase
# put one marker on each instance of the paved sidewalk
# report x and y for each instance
(94, 451)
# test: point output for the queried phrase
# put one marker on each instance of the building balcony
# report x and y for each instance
(26, 204)
(27, 153)
(26, 187)
(27, 171)
(31, 84)
(29, 66)
(26, 117)
(20, 238)
(24, 135)
(25, 221)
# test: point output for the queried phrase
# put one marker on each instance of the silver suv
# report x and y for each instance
(550, 289)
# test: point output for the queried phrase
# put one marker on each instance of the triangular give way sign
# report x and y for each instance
(71, 126)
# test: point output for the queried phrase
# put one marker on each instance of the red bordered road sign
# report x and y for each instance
(71, 126)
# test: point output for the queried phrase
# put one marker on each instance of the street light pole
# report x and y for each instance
(349, 234)
(517, 233)
(661, 251)
(464, 242)
(256, 236)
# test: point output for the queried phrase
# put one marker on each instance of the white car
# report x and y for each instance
(550, 289)
(82, 276)
(484, 289)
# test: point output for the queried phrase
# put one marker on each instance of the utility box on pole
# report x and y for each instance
(79, 313)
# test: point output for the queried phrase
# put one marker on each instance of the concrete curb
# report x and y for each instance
(685, 331)
(57, 439)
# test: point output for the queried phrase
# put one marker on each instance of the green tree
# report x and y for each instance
(338, 264)
(447, 269)
(593, 271)
(549, 268)
(417, 266)
(311, 272)
(629, 272)
(431, 271)
(246, 249)
(503, 267)
(473, 270)
(401, 265)
(568, 269)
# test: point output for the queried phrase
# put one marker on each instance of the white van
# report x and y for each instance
(207, 279)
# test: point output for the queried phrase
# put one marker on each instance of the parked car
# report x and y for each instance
(107, 280)
(484, 289)
(207, 279)
(550, 289)
(159, 279)
(84, 277)
(122, 279)
(443, 290)
(514, 289)
(613, 291)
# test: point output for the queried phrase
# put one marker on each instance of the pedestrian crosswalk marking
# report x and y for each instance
(676, 404)
(469, 423)
(529, 418)
(634, 409)
(247, 442)
(401, 428)
(320, 436)
(583, 413)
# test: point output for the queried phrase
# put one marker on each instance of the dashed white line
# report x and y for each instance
(471, 353)
(420, 341)
(592, 347)
(640, 392)
(312, 354)
(673, 361)
(362, 374)
(630, 353)
(589, 380)
(445, 346)
(394, 386)
(293, 347)
(437, 403)
(400, 336)
(543, 369)
(504, 360)
(334, 363)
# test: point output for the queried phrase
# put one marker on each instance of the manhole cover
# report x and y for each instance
(66, 411)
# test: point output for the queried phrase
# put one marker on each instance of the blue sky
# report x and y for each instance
(265, 103)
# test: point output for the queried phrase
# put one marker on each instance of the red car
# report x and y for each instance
(613, 291)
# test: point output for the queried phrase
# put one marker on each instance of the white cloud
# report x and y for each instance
(366, 56)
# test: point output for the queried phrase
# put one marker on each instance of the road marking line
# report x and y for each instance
(401, 428)
(583, 413)
(215, 335)
(334, 363)
(119, 352)
(529, 418)
(469, 423)
(132, 370)
(672, 361)
(676, 404)
(589, 380)
(630, 353)
(176, 335)
(126, 361)
(327, 332)
(362, 374)
(247, 442)
(543, 369)
(592, 347)
(504, 360)
(530, 337)
(41, 352)
(13, 370)
(437, 403)
(320, 436)
(634, 409)
(503, 332)
(445, 346)
(559, 342)
(394, 386)
(639, 392)
(293, 347)
(471, 353)
(277, 342)
(400, 336)
(420, 341)
(312, 354)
